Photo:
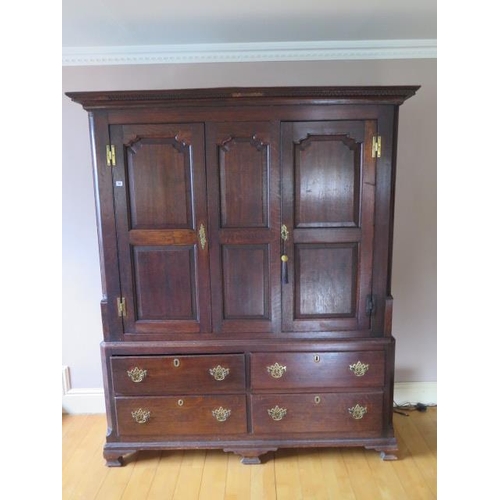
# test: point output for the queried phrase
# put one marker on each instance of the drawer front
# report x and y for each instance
(305, 370)
(161, 375)
(356, 414)
(161, 417)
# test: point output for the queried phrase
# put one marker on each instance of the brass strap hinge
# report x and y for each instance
(121, 306)
(110, 155)
(377, 146)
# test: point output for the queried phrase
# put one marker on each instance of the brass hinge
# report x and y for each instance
(110, 155)
(377, 146)
(121, 306)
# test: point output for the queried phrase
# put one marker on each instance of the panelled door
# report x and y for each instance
(244, 207)
(159, 187)
(328, 204)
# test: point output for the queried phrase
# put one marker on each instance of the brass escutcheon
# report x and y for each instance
(357, 412)
(202, 236)
(277, 413)
(276, 370)
(359, 369)
(317, 400)
(316, 358)
(180, 402)
(284, 232)
(177, 363)
(141, 416)
(219, 373)
(137, 374)
(221, 414)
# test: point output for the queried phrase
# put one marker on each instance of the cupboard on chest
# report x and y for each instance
(245, 240)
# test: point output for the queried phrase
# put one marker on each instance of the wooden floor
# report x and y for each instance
(315, 474)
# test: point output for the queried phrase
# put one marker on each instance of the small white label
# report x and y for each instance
(119, 183)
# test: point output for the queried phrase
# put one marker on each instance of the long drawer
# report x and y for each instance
(306, 370)
(162, 375)
(358, 414)
(162, 417)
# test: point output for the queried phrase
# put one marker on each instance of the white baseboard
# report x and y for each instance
(415, 392)
(81, 401)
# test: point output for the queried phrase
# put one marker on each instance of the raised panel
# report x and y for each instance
(325, 280)
(245, 269)
(159, 172)
(243, 173)
(327, 181)
(165, 283)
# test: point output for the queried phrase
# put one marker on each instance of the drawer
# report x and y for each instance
(161, 417)
(306, 370)
(162, 375)
(355, 413)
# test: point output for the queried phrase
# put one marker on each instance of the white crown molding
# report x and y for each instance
(250, 52)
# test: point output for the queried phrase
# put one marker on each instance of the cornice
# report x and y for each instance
(231, 96)
(250, 52)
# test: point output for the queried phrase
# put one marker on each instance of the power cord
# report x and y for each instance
(398, 408)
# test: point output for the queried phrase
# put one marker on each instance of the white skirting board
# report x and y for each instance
(415, 392)
(81, 401)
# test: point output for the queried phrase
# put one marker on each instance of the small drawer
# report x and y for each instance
(358, 414)
(307, 370)
(162, 417)
(162, 375)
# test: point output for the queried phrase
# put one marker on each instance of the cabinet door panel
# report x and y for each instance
(244, 176)
(164, 283)
(325, 280)
(328, 204)
(246, 281)
(160, 198)
(327, 181)
(159, 174)
(243, 198)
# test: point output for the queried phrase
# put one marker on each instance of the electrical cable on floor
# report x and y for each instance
(398, 408)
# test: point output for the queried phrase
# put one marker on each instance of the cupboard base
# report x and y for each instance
(251, 453)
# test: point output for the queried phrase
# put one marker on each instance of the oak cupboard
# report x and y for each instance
(245, 240)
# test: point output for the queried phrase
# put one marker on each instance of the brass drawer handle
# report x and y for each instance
(277, 413)
(219, 373)
(141, 416)
(359, 369)
(276, 370)
(358, 412)
(137, 374)
(221, 414)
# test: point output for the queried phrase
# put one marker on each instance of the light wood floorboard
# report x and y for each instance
(288, 474)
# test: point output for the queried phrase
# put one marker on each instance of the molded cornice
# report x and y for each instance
(250, 52)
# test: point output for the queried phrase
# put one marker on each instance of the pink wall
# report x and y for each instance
(414, 264)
